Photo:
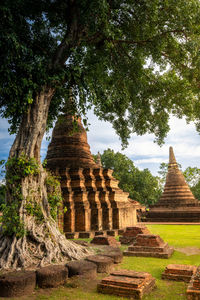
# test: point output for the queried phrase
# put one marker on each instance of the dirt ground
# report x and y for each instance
(188, 250)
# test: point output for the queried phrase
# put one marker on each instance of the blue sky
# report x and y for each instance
(142, 150)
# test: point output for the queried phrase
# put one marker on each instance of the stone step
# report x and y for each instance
(141, 253)
(179, 272)
(148, 249)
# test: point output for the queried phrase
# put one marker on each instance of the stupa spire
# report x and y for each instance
(172, 159)
(99, 159)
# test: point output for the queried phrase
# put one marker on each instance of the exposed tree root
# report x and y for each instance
(43, 245)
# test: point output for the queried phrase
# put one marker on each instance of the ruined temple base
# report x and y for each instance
(193, 290)
(149, 245)
(176, 215)
(129, 235)
(92, 234)
(179, 272)
(127, 283)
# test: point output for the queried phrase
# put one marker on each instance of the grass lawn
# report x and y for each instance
(180, 236)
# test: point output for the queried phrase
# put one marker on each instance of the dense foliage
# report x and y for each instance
(141, 184)
(134, 61)
(54, 195)
(2, 194)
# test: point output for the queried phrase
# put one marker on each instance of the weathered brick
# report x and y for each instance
(149, 245)
(179, 272)
(127, 283)
(91, 194)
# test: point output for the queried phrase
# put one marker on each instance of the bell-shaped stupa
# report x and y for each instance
(69, 146)
(177, 203)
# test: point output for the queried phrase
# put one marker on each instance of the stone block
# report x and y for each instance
(82, 267)
(117, 256)
(17, 284)
(86, 235)
(127, 283)
(51, 276)
(193, 289)
(120, 231)
(129, 235)
(179, 272)
(126, 240)
(97, 233)
(111, 232)
(71, 235)
(105, 240)
(149, 240)
(135, 230)
(104, 263)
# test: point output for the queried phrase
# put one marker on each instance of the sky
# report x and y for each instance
(142, 150)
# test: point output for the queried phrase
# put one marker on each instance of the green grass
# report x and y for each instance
(176, 235)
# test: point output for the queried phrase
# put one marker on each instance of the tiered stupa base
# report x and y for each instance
(149, 245)
(179, 215)
(127, 283)
(179, 272)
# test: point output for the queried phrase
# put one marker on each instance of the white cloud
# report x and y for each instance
(150, 161)
(142, 149)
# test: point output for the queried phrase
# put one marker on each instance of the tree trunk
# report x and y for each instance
(42, 243)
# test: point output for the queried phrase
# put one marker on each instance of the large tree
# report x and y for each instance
(134, 61)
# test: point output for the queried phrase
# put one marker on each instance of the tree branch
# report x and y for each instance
(145, 41)
(71, 38)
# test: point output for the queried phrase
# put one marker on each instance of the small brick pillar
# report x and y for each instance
(93, 197)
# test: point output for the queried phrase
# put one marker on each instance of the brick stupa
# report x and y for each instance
(91, 194)
(177, 203)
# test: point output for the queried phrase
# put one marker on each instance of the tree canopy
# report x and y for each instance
(133, 61)
(141, 185)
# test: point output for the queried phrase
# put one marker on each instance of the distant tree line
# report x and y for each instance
(141, 185)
